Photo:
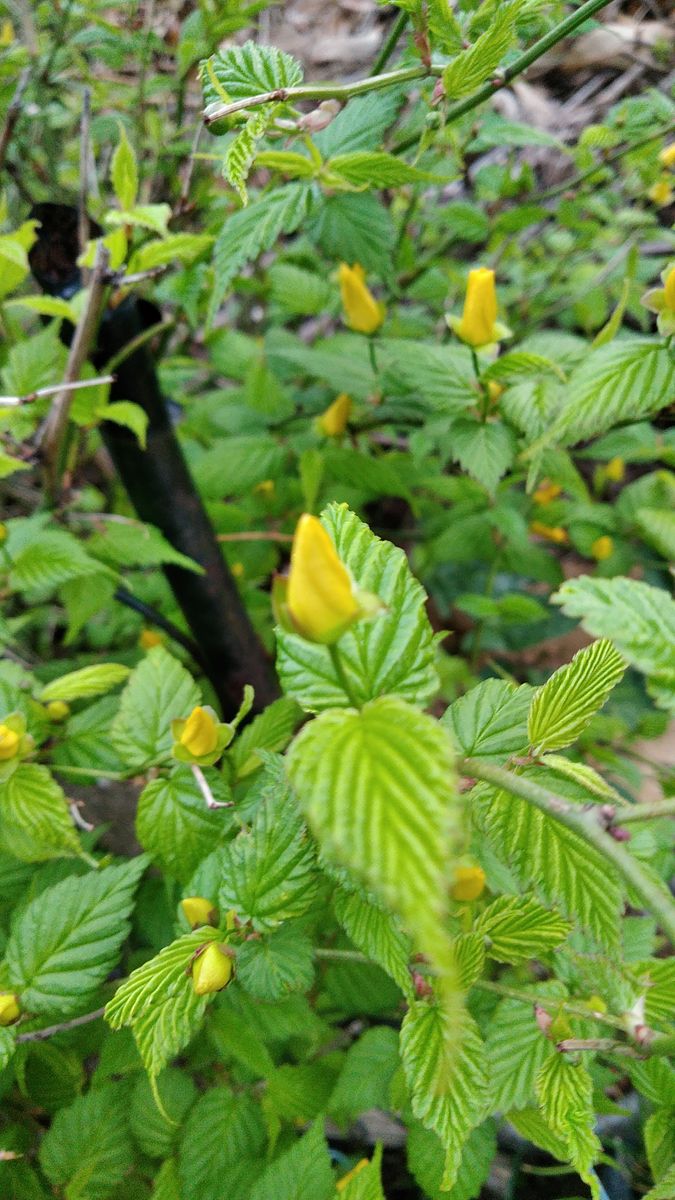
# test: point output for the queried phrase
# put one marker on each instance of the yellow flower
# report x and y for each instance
(602, 548)
(662, 301)
(469, 883)
(150, 638)
(615, 470)
(346, 1179)
(363, 313)
(198, 911)
(480, 308)
(6, 33)
(58, 710)
(494, 390)
(333, 421)
(238, 570)
(9, 743)
(211, 970)
(669, 290)
(661, 194)
(9, 1008)
(200, 735)
(667, 155)
(320, 596)
(552, 533)
(546, 492)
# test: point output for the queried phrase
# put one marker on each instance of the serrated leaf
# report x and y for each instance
(85, 683)
(36, 822)
(253, 229)
(355, 228)
(530, 1124)
(473, 66)
(451, 1102)
(520, 928)
(87, 1150)
(240, 153)
(490, 721)
(277, 964)
(361, 124)
(516, 1048)
(665, 1188)
(659, 1138)
(377, 789)
(270, 731)
(223, 1146)
(137, 544)
(366, 1182)
(565, 1094)
(425, 1161)
(167, 1181)
(158, 692)
(366, 1075)
(562, 708)
(444, 27)
(124, 172)
(303, 1171)
(174, 825)
(371, 168)
(67, 940)
(154, 1133)
(521, 364)
(374, 932)
(159, 1002)
(48, 560)
(129, 416)
(241, 71)
(270, 872)
(557, 862)
(484, 450)
(393, 654)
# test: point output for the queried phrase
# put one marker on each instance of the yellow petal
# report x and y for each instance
(9, 1008)
(320, 598)
(477, 326)
(58, 710)
(469, 883)
(602, 548)
(615, 470)
(362, 311)
(150, 638)
(211, 971)
(334, 420)
(667, 155)
(552, 533)
(200, 735)
(661, 193)
(198, 911)
(546, 492)
(669, 289)
(9, 743)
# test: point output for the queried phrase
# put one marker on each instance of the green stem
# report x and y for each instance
(66, 769)
(585, 824)
(342, 956)
(342, 675)
(573, 183)
(567, 1006)
(644, 812)
(390, 43)
(373, 356)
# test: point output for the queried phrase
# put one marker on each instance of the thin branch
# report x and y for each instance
(53, 389)
(12, 115)
(205, 790)
(256, 535)
(83, 199)
(40, 1035)
(157, 618)
(354, 956)
(391, 41)
(644, 812)
(566, 1006)
(586, 824)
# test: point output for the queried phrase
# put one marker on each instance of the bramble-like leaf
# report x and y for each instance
(67, 940)
(158, 692)
(49, 559)
(665, 1188)
(639, 618)
(391, 654)
(88, 1149)
(240, 71)
(425, 1161)
(277, 964)
(484, 450)
(302, 1171)
(472, 67)
(124, 172)
(451, 1102)
(271, 730)
(85, 683)
(563, 707)
(174, 825)
(36, 823)
(374, 932)
(519, 928)
(223, 1147)
(565, 1093)
(365, 1078)
(516, 1048)
(241, 151)
(490, 721)
(375, 168)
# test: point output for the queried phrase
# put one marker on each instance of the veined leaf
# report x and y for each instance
(490, 721)
(36, 823)
(374, 932)
(85, 683)
(516, 1048)
(158, 692)
(484, 450)
(563, 707)
(124, 172)
(565, 1093)
(49, 559)
(303, 1171)
(375, 168)
(241, 71)
(223, 1133)
(665, 1188)
(365, 1183)
(426, 1161)
(241, 152)
(277, 964)
(449, 1102)
(520, 928)
(174, 825)
(88, 1148)
(270, 731)
(472, 67)
(366, 1076)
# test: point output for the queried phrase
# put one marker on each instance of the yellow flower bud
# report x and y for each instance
(602, 548)
(211, 970)
(552, 533)
(9, 1008)
(669, 287)
(150, 638)
(9, 743)
(546, 492)
(265, 487)
(469, 883)
(320, 597)
(58, 710)
(200, 735)
(346, 1179)
(363, 313)
(238, 570)
(667, 155)
(334, 420)
(477, 326)
(4, 532)
(615, 470)
(6, 33)
(198, 911)
(494, 390)
(661, 194)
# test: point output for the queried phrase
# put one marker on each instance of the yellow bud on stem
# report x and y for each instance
(9, 1008)
(9, 743)
(58, 710)
(211, 970)
(334, 420)
(602, 548)
(320, 596)
(477, 326)
(469, 883)
(199, 911)
(363, 313)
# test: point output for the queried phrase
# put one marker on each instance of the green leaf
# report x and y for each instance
(473, 66)
(129, 416)
(392, 654)
(366, 1076)
(159, 1002)
(445, 29)
(557, 862)
(519, 364)
(167, 1181)
(269, 873)
(361, 124)
(377, 789)
(50, 558)
(302, 1171)
(658, 530)
(147, 216)
(124, 172)
(151, 1129)
(36, 822)
(639, 618)
(565, 1093)
(490, 721)
(530, 1124)
(449, 1102)
(9, 465)
(174, 825)
(158, 692)
(271, 730)
(7, 1047)
(87, 1150)
(183, 248)
(277, 964)
(659, 1137)
(85, 683)
(374, 932)
(68, 939)
(425, 1161)
(240, 154)
(665, 1188)
(135, 544)
(86, 739)
(367, 1183)
(519, 928)
(516, 1048)
(253, 229)
(566, 703)
(624, 381)
(485, 450)
(223, 1147)
(370, 168)
(241, 71)
(355, 229)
